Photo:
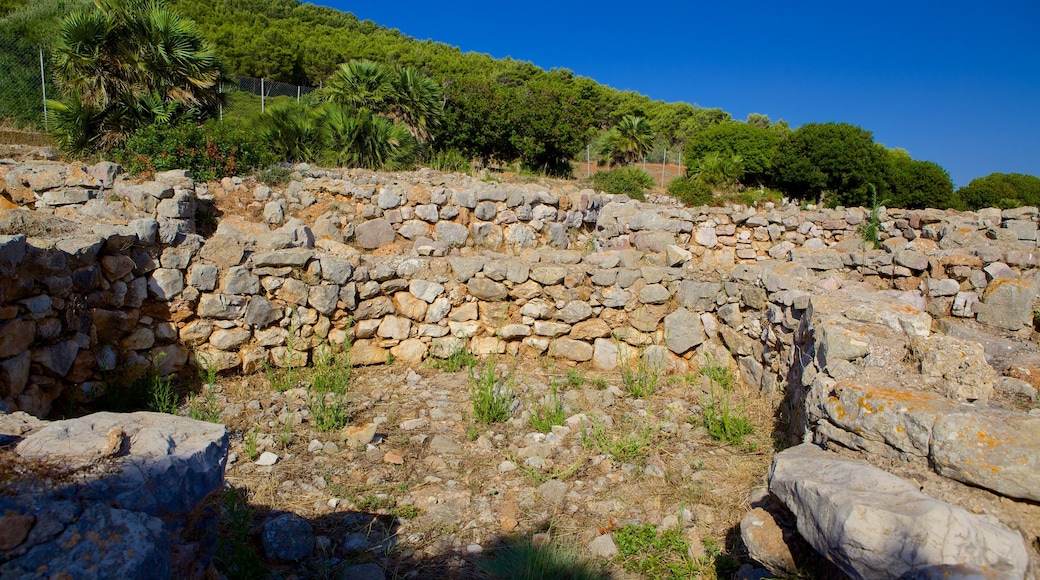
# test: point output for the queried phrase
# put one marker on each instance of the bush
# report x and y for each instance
(210, 151)
(631, 181)
(690, 191)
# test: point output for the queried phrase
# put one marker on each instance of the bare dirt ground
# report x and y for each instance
(435, 491)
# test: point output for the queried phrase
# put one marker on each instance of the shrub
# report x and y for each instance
(690, 191)
(210, 151)
(450, 161)
(631, 181)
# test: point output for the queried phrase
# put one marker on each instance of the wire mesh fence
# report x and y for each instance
(23, 84)
(269, 88)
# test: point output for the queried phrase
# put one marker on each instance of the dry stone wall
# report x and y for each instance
(906, 353)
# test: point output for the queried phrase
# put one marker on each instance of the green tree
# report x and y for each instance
(755, 145)
(917, 184)
(1003, 190)
(833, 162)
(628, 141)
(125, 64)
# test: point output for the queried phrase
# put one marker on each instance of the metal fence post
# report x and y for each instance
(261, 94)
(43, 85)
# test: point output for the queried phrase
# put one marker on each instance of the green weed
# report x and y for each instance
(236, 557)
(657, 554)
(329, 411)
(161, 397)
(204, 408)
(251, 444)
(544, 416)
(575, 379)
(723, 421)
(640, 379)
(491, 395)
(459, 359)
(624, 448)
(331, 371)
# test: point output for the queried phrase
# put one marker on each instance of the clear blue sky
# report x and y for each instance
(955, 82)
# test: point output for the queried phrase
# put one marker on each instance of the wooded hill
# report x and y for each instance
(510, 111)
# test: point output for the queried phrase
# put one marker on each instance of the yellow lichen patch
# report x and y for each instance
(900, 429)
(985, 439)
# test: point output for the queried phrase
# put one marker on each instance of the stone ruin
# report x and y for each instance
(904, 377)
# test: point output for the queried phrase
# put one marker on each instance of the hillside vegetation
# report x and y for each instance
(476, 109)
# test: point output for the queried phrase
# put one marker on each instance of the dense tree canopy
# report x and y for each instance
(1002, 190)
(756, 145)
(831, 161)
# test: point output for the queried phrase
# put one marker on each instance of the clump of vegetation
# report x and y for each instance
(631, 446)
(491, 395)
(630, 181)
(236, 557)
(524, 559)
(723, 421)
(640, 378)
(870, 230)
(690, 191)
(460, 358)
(549, 413)
(204, 407)
(666, 553)
(210, 151)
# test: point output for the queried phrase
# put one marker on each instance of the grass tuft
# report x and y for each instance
(491, 395)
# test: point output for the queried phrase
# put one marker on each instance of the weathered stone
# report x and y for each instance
(590, 329)
(683, 331)
(424, 290)
(452, 233)
(410, 352)
(229, 339)
(465, 268)
(957, 366)
(548, 275)
(513, 331)
(102, 542)
(165, 283)
(17, 335)
(288, 538)
(487, 290)
(605, 354)
(153, 475)
(323, 298)
(374, 234)
(999, 451)
(196, 332)
(854, 515)
(1007, 304)
(574, 350)
(654, 294)
(241, 280)
(394, 327)
(574, 311)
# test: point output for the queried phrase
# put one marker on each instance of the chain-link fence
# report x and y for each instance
(24, 80)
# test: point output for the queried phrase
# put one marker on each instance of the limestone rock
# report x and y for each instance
(872, 524)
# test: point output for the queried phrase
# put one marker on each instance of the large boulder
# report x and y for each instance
(872, 524)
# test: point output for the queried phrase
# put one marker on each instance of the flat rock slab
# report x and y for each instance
(156, 463)
(872, 524)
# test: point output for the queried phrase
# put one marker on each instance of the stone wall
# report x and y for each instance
(904, 353)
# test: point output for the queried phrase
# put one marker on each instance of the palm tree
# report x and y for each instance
(361, 139)
(291, 131)
(402, 94)
(628, 141)
(363, 85)
(417, 102)
(128, 63)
